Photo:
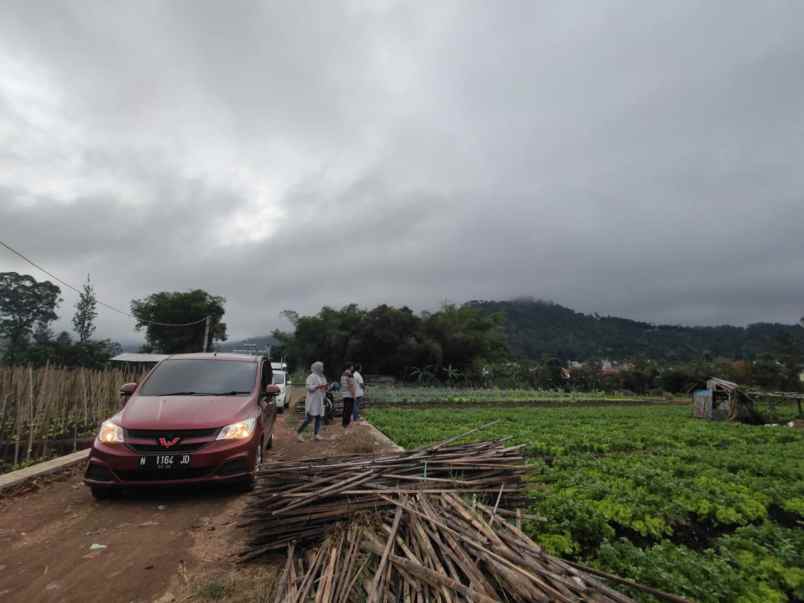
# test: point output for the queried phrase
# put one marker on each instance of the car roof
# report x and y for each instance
(216, 356)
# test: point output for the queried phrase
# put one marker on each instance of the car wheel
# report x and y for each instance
(104, 492)
(247, 484)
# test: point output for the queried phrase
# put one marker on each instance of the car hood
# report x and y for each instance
(183, 412)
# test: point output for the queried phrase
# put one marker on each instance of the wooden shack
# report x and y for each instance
(721, 400)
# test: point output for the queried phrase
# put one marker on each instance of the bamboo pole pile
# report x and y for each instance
(301, 501)
(435, 548)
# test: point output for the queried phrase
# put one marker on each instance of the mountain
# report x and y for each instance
(130, 345)
(259, 343)
(536, 327)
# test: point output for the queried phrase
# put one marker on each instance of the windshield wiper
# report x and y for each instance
(231, 393)
(183, 394)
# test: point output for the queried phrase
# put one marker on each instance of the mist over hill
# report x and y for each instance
(534, 328)
(537, 327)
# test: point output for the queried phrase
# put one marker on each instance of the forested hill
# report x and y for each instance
(259, 343)
(534, 328)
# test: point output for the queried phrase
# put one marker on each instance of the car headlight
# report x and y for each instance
(110, 433)
(238, 431)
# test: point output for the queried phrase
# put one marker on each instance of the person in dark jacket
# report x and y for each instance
(347, 393)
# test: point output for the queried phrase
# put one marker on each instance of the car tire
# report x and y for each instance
(246, 485)
(104, 492)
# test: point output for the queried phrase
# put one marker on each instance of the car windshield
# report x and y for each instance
(279, 378)
(201, 377)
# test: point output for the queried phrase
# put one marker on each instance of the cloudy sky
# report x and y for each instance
(643, 159)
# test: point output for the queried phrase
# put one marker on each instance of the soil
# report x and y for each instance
(164, 545)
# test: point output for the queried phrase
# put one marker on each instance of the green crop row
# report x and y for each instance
(408, 394)
(650, 492)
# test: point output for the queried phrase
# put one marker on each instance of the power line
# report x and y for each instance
(99, 302)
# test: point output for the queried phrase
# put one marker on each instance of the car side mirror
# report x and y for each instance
(272, 390)
(125, 392)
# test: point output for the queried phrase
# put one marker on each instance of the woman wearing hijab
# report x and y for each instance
(314, 402)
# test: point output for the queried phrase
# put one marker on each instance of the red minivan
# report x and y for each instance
(194, 418)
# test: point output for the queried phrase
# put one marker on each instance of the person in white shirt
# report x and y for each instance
(316, 386)
(360, 392)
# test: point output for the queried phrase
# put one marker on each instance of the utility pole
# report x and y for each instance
(206, 334)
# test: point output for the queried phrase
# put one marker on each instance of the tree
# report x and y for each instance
(291, 316)
(790, 355)
(464, 334)
(24, 301)
(395, 341)
(390, 340)
(171, 308)
(43, 334)
(452, 374)
(85, 313)
(63, 351)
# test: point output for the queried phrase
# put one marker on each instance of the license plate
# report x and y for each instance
(164, 461)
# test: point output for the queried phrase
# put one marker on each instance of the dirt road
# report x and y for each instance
(172, 546)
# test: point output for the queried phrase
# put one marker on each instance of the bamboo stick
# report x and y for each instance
(30, 412)
(376, 583)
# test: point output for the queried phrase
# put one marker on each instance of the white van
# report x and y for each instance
(280, 371)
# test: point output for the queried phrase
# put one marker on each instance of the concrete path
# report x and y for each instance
(16, 478)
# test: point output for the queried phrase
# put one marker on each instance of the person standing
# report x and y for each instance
(347, 394)
(316, 386)
(360, 392)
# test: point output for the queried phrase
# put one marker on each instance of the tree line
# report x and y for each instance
(643, 376)
(455, 340)
(537, 327)
(523, 343)
(471, 344)
(28, 309)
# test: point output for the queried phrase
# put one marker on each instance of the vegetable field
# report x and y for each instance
(44, 410)
(713, 511)
(394, 394)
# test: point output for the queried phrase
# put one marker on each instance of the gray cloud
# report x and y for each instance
(622, 157)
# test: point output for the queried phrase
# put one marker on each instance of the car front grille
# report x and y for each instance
(146, 441)
(182, 433)
(180, 447)
(157, 475)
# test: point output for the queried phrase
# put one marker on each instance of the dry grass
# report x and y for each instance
(361, 442)
(243, 584)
